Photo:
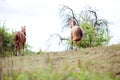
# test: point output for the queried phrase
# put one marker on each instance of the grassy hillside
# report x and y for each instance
(97, 63)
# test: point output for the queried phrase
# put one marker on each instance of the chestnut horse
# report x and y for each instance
(19, 40)
(76, 32)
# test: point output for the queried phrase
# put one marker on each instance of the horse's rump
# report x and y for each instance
(80, 32)
(19, 38)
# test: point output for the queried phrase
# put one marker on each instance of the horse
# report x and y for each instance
(76, 32)
(19, 40)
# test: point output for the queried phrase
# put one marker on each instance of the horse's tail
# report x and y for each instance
(81, 32)
(16, 39)
(15, 42)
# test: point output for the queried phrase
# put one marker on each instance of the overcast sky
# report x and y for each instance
(41, 18)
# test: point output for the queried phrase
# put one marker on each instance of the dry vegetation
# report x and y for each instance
(98, 59)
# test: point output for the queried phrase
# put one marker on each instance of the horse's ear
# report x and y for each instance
(21, 27)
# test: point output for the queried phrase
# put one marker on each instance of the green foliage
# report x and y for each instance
(6, 40)
(96, 31)
(93, 38)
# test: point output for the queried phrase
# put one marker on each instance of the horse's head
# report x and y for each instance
(23, 29)
(72, 22)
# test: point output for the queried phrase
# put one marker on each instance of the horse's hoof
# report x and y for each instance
(22, 54)
(15, 54)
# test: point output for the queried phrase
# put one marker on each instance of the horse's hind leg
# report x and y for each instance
(17, 51)
(22, 49)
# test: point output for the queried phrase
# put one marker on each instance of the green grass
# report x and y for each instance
(48, 74)
(98, 63)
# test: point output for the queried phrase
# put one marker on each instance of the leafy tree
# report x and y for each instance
(6, 39)
(96, 31)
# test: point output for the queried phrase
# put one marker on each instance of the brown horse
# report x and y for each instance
(76, 32)
(19, 40)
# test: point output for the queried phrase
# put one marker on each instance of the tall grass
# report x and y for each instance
(63, 66)
(6, 58)
(49, 72)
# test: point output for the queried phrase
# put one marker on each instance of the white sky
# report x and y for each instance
(41, 18)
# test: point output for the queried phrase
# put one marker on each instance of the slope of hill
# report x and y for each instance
(84, 64)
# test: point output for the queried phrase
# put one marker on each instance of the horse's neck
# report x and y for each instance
(23, 32)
